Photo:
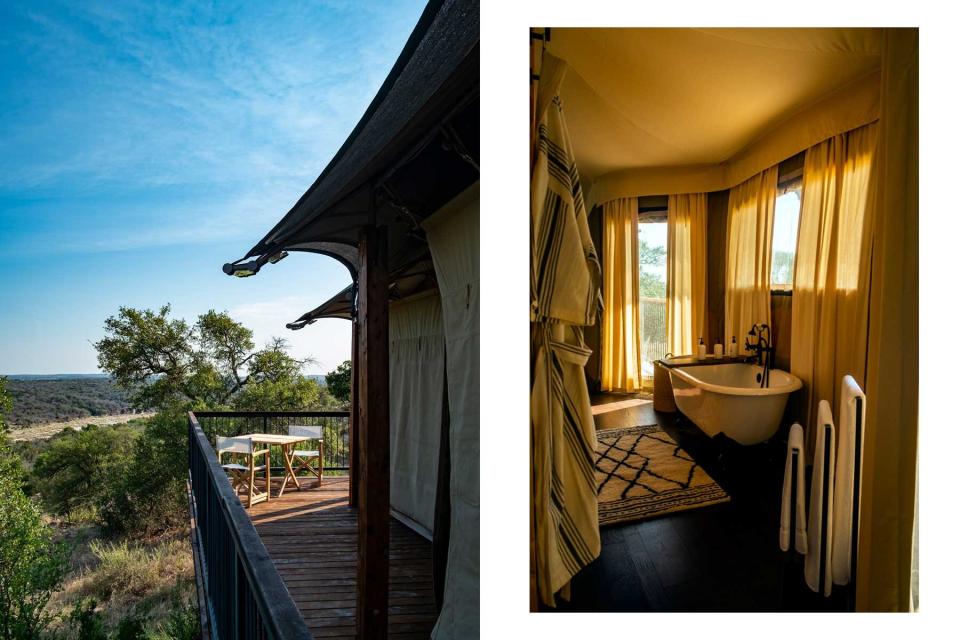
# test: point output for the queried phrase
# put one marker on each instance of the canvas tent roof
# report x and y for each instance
(426, 114)
(699, 108)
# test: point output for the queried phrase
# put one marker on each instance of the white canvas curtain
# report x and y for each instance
(454, 238)
(686, 271)
(416, 401)
(749, 247)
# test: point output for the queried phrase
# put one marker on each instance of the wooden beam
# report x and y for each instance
(373, 519)
(354, 413)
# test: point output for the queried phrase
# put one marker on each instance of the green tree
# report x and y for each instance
(147, 495)
(172, 365)
(782, 267)
(338, 381)
(6, 404)
(76, 467)
(651, 284)
(32, 564)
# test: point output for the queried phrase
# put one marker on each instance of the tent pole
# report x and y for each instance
(373, 518)
(354, 412)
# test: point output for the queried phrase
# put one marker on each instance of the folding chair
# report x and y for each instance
(243, 475)
(309, 460)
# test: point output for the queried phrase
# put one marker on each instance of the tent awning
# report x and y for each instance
(416, 146)
(417, 277)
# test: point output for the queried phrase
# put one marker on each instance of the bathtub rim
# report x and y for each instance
(795, 383)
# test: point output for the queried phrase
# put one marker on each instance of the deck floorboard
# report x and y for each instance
(311, 535)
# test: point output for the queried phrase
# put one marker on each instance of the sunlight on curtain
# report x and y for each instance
(620, 342)
(686, 271)
(749, 246)
(830, 292)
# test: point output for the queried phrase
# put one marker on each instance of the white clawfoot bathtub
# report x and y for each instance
(726, 398)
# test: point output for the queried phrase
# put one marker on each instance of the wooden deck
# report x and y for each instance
(312, 537)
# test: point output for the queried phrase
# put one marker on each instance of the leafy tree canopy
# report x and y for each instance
(212, 363)
(338, 381)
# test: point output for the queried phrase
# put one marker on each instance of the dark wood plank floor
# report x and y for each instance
(311, 536)
(720, 558)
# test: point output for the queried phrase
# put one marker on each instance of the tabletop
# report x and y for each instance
(275, 438)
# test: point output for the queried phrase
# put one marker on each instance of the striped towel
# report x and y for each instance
(565, 293)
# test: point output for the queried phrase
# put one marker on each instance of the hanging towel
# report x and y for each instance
(821, 504)
(843, 497)
(565, 297)
(794, 442)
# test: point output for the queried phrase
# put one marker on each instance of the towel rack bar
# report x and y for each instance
(825, 509)
(854, 534)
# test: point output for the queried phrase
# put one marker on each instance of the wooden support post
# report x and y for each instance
(354, 413)
(373, 518)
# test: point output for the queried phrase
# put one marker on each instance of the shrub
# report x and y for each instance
(32, 565)
(75, 469)
(183, 624)
(149, 496)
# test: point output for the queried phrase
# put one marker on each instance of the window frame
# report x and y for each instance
(790, 179)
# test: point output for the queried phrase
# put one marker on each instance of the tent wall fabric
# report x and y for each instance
(749, 245)
(454, 238)
(890, 432)
(416, 402)
(565, 295)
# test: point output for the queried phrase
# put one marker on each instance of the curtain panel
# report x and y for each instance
(890, 432)
(686, 272)
(416, 403)
(454, 238)
(620, 339)
(830, 289)
(749, 248)
(565, 295)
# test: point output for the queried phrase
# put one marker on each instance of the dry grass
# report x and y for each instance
(146, 579)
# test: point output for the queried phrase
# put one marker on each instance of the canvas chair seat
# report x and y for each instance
(308, 456)
(242, 467)
(242, 476)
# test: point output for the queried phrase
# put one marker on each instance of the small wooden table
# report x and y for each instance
(286, 446)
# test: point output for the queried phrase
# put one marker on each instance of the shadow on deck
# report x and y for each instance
(311, 536)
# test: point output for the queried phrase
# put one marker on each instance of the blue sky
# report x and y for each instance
(142, 145)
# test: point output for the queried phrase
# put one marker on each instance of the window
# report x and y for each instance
(652, 232)
(786, 223)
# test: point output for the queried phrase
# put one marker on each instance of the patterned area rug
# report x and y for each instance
(642, 473)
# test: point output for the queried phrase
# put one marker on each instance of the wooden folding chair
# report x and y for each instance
(242, 476)
(309, 460)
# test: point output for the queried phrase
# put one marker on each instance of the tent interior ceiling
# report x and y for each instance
(688, 97)
(417, 145)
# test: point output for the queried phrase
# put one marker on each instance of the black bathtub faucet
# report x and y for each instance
(764, 350)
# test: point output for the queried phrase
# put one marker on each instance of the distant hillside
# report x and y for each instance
(42, 399)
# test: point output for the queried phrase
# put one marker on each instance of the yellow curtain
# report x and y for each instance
(686, 271)
(620, 340)
(749, 245)
(830, 290)
(890, 433)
